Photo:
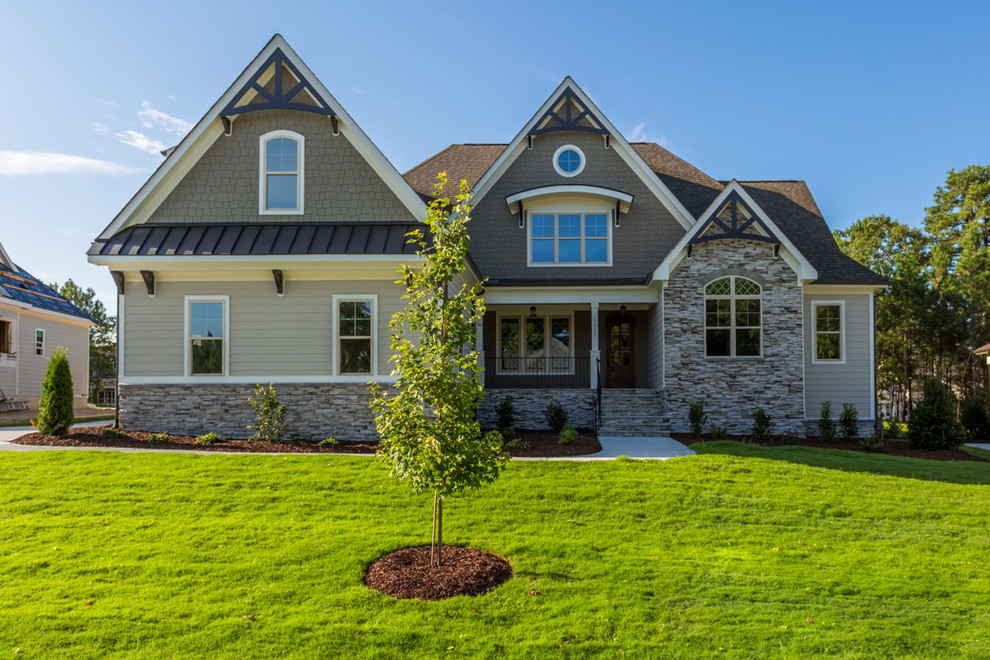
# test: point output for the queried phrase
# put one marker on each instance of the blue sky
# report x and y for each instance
(870, 102)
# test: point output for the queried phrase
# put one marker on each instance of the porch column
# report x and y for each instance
(479, 342)
(595, 353)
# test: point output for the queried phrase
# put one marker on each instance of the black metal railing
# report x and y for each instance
(529, 372)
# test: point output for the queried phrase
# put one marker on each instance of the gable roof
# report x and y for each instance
(20, 286)
(195, 144)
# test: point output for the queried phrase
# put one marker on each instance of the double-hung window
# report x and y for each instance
(733, 318)
(569, 239)
(39, 342)
(828, 339)
(282, 173)
(206, 335)
(355, 334)
(535, 344)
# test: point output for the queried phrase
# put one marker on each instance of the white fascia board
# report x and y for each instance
(220, 261)
(617, 142)
(569, 294)
(196, 143)
(26, 308)
(624, 199)
(790, 254)
(839, 289)
(5, 258)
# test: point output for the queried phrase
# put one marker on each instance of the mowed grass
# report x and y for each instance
(762, 554)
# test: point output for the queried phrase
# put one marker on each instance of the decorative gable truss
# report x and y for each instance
(734, 219)
(568, 114)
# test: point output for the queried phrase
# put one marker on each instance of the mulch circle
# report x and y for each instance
(407, 573)
(547, 443)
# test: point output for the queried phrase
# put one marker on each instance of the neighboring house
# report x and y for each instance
(623, 282)
(34, 320)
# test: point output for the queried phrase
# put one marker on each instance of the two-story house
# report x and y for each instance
(622, 281)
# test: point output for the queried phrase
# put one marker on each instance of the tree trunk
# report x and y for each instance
(433, 533)
(440, 533)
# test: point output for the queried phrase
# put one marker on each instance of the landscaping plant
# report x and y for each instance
(430, 435)
(697, 415)
(974, 417)
(826, 425)
(159, 438)
(270, 415)
(209, 438)
(506, 414)
(849, 421)
(763, 424)
(933, 422)
(556, 416)
(55, 408)
(568, 435)
(517, 443)
(113, 433)
(330, 442)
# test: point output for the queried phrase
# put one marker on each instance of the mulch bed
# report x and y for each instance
(891, 446)
(541, 443)
(407, 573)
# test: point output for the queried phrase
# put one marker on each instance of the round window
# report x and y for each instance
(568, 160)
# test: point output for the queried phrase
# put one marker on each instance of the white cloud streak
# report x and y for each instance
(151, 118)
(30, 163)
(639, 134)
(141, 141)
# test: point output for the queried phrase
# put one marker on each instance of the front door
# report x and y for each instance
(620, 357)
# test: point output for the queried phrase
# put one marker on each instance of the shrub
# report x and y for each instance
(111, 433)
(506, 413)
(873, 443)
(159, 438)
(330, 442)
(568, 435)
(517, 443)
(763, 424)
(975, 418)
(849, 421)
(209, 438)
(719, 433)
(556, 416)
(826, 425)
(270, 415)
(697, 416)
(55, 407)
(933, 422)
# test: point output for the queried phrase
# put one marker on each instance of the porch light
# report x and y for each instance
(532, 310)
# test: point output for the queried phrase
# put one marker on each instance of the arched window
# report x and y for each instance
(733, 318)
(282, 158)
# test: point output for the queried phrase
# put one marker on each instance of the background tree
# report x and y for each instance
(102, 336)
(430, 433)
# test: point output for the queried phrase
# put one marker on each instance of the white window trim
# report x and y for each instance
(732, 297)
(44, 342)
(547, 320)
(815, 304)
(609, 217)
(556, 154)
(263, 174)
(187, 340)
(11, 336)
(338, 298)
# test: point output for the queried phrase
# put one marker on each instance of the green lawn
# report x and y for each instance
(742, 552)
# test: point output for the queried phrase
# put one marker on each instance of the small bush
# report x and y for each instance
(556, 416)
(568, 435)
(55, 413)
(873, 443)
(826, 425)
(517, 443)
(763, 424)
(159, 438)
(270, 415)
(505, 412)
(975, 418)
(330, 442)
(111, 433)
(719, 433)
(933, 422)
(849, 421)
(697, 416)
(209, 438)
(508, 432)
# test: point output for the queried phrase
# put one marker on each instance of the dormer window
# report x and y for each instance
(281, 183)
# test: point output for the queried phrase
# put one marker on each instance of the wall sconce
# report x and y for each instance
(532, 310)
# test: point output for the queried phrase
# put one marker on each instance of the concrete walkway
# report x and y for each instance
(979, 445)
(655, 448)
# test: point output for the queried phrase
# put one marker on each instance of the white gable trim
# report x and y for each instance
(790, 254)
(196, 143)
(624, 199)
(616, 141)
(5, 258)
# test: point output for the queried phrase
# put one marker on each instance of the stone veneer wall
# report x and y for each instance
(733, 387)
(529, 405)
(313, 411)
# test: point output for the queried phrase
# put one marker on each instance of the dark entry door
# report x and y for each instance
(620, 358)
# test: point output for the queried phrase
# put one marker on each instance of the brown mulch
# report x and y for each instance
(546, 443)
(92, 436)
(891, 446)
(407, 573)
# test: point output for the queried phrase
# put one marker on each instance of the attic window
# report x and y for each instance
(568, 161)
(281, 173)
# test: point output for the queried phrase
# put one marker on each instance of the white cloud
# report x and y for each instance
(151, 118)
(101, 128)
(141, 141)
(105, 102)
(640, 134)
(26, 163)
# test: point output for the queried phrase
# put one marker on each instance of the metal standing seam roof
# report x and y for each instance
(257, 239)
(19, 285)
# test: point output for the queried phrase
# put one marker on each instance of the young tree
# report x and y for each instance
(102, 336)
(55, 410)
(430, 433)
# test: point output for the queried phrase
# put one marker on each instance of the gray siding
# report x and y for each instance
(340, 184)
(647, 233)
(268, 335)
(841, 383)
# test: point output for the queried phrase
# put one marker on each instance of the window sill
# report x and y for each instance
(730, 358)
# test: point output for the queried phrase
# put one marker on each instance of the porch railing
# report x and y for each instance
(532, 372)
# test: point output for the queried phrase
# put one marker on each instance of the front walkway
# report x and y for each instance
(979, 445)
(656, 448)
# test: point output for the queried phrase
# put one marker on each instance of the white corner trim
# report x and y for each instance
(815, 304)
(186, 362)
(337, 298)
(300, 173)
